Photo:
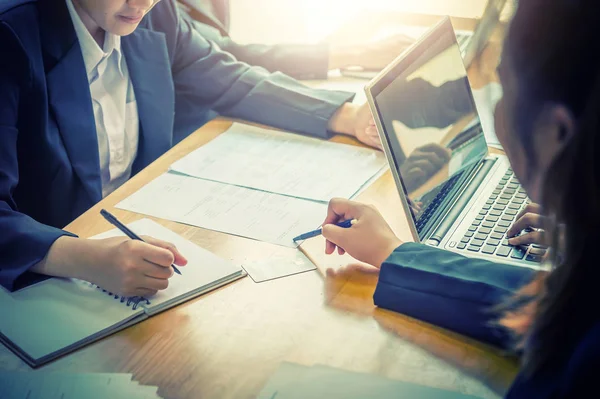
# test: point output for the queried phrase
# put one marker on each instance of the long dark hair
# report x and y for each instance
(553, 48)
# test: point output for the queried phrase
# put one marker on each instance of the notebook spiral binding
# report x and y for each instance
(132, 301)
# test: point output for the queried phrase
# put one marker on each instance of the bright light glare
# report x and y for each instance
(308, 21)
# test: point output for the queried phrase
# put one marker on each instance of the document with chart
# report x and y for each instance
(226, 208)
(283, 163)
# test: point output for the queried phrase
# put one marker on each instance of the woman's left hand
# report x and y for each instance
(369, 240)
(533, 224)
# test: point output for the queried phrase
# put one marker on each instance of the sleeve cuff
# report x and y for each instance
(284, 103)
(25, 256)
(447, 290)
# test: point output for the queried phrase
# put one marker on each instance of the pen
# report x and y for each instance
(115, 222)
(345, 224)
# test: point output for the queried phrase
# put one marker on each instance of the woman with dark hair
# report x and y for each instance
(547, 122)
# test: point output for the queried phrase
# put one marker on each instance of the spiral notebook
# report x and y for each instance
(57, 316)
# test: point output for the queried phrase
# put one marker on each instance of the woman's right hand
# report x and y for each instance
(369, 240)
(119, 265)
(134, 268)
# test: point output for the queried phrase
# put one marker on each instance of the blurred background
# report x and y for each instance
(311, 21)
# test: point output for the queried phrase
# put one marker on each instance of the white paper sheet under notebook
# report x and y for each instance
(230, 209)
(283, 163)
(51, 385)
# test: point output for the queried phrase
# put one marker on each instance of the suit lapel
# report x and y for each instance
(69, 94)
(150, 72)
(70, 100)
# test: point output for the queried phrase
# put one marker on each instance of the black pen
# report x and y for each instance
(115, 222)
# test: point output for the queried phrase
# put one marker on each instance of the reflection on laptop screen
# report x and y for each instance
(429, 118)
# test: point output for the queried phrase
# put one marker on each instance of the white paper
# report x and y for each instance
(99, 386)
(283, 163)
(49, 385)
(486, 99)
(277, 266)
(230, 209)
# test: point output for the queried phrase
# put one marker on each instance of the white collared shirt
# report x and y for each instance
(115, 108)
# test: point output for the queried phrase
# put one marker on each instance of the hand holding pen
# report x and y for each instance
(345, 224)
(133, 267)
(126, 230)
(369, 239)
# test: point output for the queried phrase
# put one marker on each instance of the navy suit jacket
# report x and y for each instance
(460, 294)
(215, 13)
(49, 161)
(301, 61)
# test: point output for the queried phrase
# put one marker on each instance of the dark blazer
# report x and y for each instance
(301, 61)
(215, 13)
(459, 294)
(49, 162)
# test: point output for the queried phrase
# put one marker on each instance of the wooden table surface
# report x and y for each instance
(226, 344)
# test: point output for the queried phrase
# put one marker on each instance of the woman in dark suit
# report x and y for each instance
(548, 123)
(91, 92)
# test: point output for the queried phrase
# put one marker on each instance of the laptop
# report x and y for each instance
(471, 44)
(456, 195)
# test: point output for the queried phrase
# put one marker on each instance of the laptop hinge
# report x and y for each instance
(442, 229)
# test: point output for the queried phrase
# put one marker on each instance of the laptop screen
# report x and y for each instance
(425, 106)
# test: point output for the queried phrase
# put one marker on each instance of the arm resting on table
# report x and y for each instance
(449, 290)
(205, 75)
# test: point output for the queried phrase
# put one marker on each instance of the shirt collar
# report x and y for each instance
(92, 53)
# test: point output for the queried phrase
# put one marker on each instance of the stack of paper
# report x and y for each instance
(294, 381)
(258, 183)
(229, 209)
(282, 163)
(21, 385)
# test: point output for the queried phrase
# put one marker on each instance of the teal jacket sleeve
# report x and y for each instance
(449, 290)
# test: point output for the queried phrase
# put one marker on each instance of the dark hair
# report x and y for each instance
(552, 48)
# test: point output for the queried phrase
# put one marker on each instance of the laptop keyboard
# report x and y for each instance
(487, 233)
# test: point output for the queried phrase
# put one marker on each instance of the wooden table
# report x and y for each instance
(226, 344)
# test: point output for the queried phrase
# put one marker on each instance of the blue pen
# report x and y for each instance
(115, 222)
(345, 224)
